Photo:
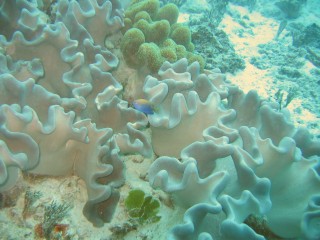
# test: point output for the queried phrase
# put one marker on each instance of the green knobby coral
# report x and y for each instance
(141, 208)
(181, 35)
(159, 31)
(156, 32)
(142, 15)
(152, 36)
(130, 44)
(149, 54)
(196, 58)
(149, 6)
(169, 49)
(169, 54)
(181, 51)
(127, 25)
(169, 12)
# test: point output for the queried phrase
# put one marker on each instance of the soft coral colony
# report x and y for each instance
(223, 155)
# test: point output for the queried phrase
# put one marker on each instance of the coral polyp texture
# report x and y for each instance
(153, 36)
(222, 155)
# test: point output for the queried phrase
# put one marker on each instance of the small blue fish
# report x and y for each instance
(143, 105)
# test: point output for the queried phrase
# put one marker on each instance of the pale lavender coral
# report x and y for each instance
(28, 93)
(228, 184)
(22, 15)
(185, 98)
(56, 51)
(250, 161)
(103, 177)
(23, 123)
(247, 186)
(65, 148)
(285, 164)
(22, 70)
(61, 104)
(84, 18)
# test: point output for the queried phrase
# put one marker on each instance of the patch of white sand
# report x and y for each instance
(262, 30)
(246, 45)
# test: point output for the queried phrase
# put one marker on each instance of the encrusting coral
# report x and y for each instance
(223, 155)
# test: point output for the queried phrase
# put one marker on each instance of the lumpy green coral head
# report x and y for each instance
(130, 45)
(149, 55)
(156, 32)
(196, 58)
(169, 12)
(127, 25)
(154, 36)
(142, 15)
(169, 54)
(150, 6)
(181, 35)
(181, 51)
(159, 31)
(143, 25)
